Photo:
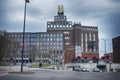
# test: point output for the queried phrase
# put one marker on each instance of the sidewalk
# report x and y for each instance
(27, 69)
(3, 70)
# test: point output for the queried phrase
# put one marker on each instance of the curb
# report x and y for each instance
(25, 72)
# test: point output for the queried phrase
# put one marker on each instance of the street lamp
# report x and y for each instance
(105, 44)
(26, 1)
(105, 52)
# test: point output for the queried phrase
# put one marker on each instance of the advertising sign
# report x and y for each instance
(78, 51)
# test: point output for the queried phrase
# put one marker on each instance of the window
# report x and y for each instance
(57, 39)
(47, 39)
(28, 39)
(33, 35)
(94, 36)
(86, 49)
(47, 35)
(51, 35)
(66, 32)
(45, 43)
(81, 38)
(61, 43)
(12, 35)
(91, 44)
(94, 50)
(28, 35)
(15, 35)
(33, 39)
(67, 37)
(40, 43)
(67, 43)
(44, 39)
(44, 35)
(61, 39)
(61, 35)
(57, 35)
(18, 39)
(51, 39)
(54, 35)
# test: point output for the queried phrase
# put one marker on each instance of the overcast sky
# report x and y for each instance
(105, 14)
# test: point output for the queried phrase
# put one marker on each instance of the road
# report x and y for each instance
(62, 75)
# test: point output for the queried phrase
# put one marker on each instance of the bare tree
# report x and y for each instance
(4, 44)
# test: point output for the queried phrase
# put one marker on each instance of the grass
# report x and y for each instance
(46, 65)
(35, 65)
(25, 72)
(4, 64)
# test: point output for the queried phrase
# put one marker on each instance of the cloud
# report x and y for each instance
(116, 1)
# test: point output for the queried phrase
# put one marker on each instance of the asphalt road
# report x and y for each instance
(62, 75)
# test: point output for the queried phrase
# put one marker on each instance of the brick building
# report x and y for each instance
(62, 39)
(116, 49)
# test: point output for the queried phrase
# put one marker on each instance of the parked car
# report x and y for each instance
(76, 68)
(96, 70)
(85, 70)
(29, 65)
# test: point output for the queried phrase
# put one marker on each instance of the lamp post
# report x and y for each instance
(105, 52)
(26, 1)
(105, 44)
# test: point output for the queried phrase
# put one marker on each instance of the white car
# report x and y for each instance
(76, 68)
(97, 70)
(85, 70)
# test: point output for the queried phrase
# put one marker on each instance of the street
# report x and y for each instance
(62, 75)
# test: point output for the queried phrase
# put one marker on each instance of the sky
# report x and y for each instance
(105, 14)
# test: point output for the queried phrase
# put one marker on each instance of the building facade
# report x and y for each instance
(40, 46)
(2, 33)
(116, 49)
(62, 42)
(86, 37)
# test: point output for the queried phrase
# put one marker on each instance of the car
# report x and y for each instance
(96, 70)
(85, 70)
(76, 68)
(29, 65)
